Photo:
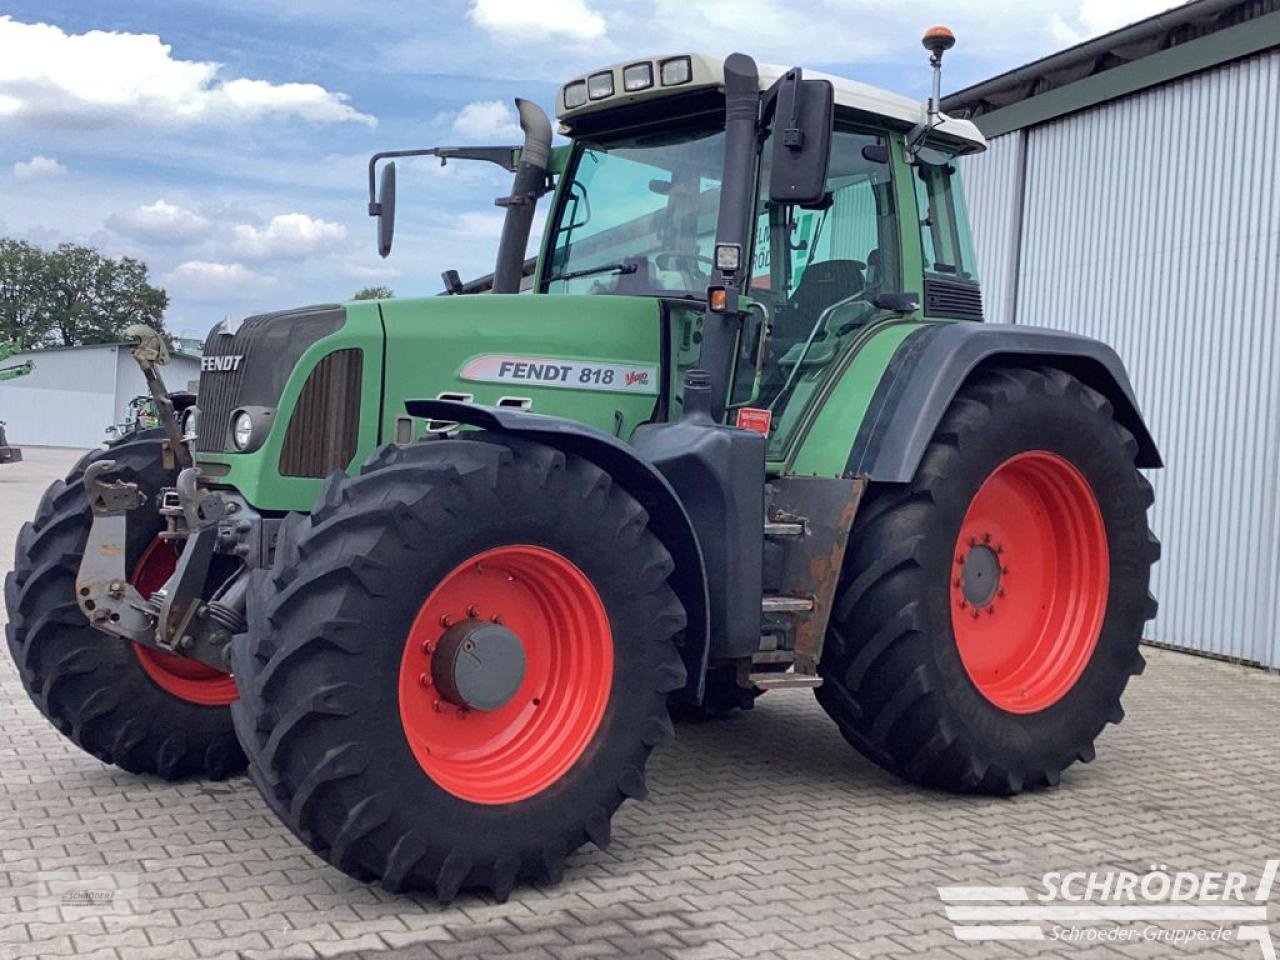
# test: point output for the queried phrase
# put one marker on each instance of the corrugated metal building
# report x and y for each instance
(1131, 192)
(74, 393)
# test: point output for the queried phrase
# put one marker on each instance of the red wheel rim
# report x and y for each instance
(527, 744)
(1029, 582)
(186, 679)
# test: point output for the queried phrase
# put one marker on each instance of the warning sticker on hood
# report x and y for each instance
(564, 374)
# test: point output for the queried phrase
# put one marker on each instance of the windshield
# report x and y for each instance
(638, 216)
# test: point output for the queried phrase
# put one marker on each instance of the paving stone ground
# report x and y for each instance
(765, 836)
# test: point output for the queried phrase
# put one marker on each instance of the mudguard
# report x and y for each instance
(667, 516)
(934, 361)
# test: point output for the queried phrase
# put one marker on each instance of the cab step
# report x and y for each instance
(784, 528)
(786, 604)
(784, 681)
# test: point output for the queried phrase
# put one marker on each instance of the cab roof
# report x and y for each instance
(707, 71)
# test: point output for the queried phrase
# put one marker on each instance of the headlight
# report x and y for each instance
(677, 71)
(600, 85)
(638, 76)
(575, 94)
(242, 430)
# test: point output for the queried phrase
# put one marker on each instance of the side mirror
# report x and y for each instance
(386, 208)
(802, 128)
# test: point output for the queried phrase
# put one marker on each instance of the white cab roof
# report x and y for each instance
(708, 71)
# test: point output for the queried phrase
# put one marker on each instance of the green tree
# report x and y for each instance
(72, 295)
(374, 293)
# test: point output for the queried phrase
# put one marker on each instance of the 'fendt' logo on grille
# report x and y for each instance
(225, 364)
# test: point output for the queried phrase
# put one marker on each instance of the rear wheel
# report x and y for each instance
(457, 668)
(990, 611)
(143, 710)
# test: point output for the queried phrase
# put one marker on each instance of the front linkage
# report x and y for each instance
(177, 618)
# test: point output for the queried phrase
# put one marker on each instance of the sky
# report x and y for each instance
(225, 144)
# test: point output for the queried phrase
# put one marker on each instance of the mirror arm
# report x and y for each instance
(504, 157)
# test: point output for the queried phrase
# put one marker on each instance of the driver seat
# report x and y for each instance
(821, 285)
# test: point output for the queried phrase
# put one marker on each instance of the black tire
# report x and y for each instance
(90, 685)
(319, 667)
(894, 680)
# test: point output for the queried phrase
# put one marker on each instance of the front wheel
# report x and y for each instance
(990, 611)
(455, 672)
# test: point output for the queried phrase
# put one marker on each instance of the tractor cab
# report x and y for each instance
(772, 235)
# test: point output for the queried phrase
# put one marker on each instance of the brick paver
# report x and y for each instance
(765, 836)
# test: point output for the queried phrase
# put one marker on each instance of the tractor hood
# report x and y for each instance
(325, 386)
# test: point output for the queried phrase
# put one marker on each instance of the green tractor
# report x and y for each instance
(439, 571)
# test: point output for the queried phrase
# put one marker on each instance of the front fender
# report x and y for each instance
(933, 363)
(668, 518)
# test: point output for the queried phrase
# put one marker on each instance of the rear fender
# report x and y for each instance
(934, 362)
(667, 516)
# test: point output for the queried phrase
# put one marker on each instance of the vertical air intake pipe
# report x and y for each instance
(530, 184)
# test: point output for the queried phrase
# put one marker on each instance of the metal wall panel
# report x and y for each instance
(992, 184)
(1153, 223)
(65, 401)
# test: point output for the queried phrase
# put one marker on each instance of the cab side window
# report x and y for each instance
(842, 252)
(946, 245)
(817, 271)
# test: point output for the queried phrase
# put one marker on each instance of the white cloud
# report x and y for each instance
(1093, 18)
(490, 120)
(547, 18)
(47, 75)
(289, 236)
(161, 222)
(37, 166)
(206, 280)
(1101, 16)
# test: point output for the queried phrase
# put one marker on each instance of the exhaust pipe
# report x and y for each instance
(530, 184)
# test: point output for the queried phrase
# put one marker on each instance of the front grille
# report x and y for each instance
(961, 299)
(325, 427)
(270, 346)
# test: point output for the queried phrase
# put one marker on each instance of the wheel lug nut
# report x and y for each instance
(957, 582)
(991, 610)
(963, 604)
(975, 613)
(424, 680)
(960, 558)
(973, 541)
(473, 611)
(496, 618)
(1004, 569)
(1000, 592)
(986, 538)
(446, 620)
(436, 706)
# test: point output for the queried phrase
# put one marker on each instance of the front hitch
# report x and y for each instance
(175, 618)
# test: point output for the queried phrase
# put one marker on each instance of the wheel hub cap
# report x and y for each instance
(980, 575)
(478, 665)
